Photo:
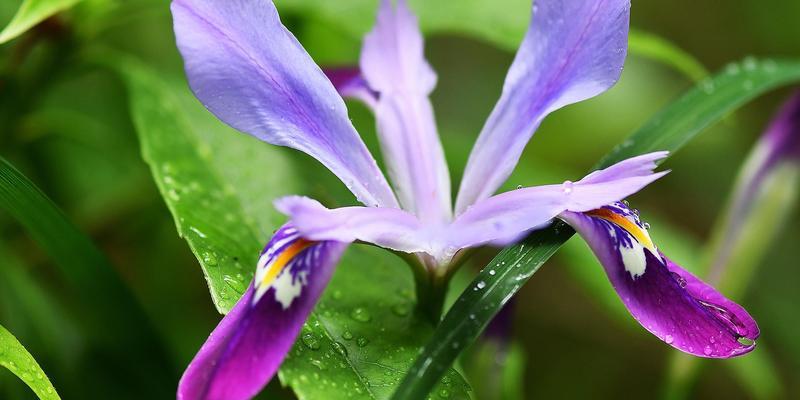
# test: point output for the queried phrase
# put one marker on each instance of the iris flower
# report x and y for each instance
(252, 73)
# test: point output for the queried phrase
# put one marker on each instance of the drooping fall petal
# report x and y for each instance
(665, 299)
(249, 344)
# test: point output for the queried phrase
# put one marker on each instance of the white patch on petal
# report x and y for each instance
(287, 288)
(633, 259)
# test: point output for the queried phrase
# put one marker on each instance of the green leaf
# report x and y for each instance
(16, 359)
(195, 173)
(705, 104)
(30, 13)
(362, 336)
(502, 23)
(668, 130)
(659, 49)
(115, 320)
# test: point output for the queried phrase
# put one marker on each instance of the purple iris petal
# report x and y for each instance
(350, 83)
(394, 65)
(249, 70)
(386, 227)
(671, 303)
(573, 50)
(248, 345)
(505, 216)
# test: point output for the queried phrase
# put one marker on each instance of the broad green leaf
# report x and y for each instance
(195, 175)
(362, 337)
(16, 359)
(30, 13)
(502, 23)
(360, 346)
(118, 318)
(668, 130)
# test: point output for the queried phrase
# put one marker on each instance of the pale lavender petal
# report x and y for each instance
(386, 227)
(249, 70)
(350, 83)
(504, 217)
(666, 300)
(394, 65)
(249, 344)
(573, 50)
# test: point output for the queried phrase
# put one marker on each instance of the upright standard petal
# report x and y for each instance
(668, 301)
(248, 345)
(394, 65)
(505, 216)
(249, 70)
(573, 50)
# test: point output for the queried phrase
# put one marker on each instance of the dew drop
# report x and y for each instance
(492, 272)
(401, 309)
(362, 341)
(567, 187)
(669, 339)
(361, 314)
(347, 335)
(340, 348)
(707, 350)
(310, 341)
(481, 285)
(681, 280)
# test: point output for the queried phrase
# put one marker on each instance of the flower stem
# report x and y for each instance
(431, 291)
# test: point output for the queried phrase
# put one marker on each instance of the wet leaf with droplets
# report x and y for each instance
(16, 359)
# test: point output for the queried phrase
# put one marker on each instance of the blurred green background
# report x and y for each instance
(64, 122)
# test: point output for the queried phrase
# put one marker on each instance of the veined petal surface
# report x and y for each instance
(249, 344)
(665, 299)
(386, 227)
(573, 50)
(508, 215)
(394, 65)
(252, 73)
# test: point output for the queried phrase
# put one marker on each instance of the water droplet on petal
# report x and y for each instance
(681, 280)
(669, 339)
(567, 187)
(707, 350)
